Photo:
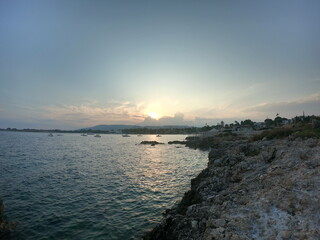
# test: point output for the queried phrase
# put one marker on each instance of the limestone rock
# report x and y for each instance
(259, 190)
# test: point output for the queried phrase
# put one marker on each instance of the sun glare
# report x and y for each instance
(153, 115)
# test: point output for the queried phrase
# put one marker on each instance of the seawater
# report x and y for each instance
(76, 187)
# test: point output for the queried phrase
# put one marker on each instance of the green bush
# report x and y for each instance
(308, 133)
(272, 134)
(304, 131)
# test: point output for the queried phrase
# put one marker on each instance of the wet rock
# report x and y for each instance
(191, 197)
(5, 226)
(177, 142)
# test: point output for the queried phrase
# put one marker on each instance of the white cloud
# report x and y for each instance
(177, 119)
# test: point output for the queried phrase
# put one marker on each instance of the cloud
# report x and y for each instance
(309, 105)
(90, 113)
(177, 119)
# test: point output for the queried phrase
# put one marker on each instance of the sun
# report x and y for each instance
(153, 115)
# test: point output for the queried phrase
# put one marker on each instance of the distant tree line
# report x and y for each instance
(248, 123)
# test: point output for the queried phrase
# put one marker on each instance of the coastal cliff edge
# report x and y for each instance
(258, 190)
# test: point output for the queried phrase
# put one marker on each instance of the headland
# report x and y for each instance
(262, 187)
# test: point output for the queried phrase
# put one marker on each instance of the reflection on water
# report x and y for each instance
(75, 187)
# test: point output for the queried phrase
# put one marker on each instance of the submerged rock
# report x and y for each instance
(177, 142)
(152, 143)
(260, 190)
(5, 226)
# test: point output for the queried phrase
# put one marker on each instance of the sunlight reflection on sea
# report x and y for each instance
(74, 187)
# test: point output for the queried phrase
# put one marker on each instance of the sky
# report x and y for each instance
(80, 63)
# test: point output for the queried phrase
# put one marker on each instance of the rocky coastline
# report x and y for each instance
(267, 189)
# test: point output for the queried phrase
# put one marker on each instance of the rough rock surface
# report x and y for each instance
(260, 190)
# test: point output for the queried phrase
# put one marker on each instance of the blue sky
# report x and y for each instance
(71, 64)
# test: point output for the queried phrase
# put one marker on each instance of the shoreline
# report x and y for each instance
(265, 189)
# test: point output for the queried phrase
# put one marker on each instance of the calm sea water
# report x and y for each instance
(75, 187)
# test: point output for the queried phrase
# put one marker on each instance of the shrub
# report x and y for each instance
(304, 131)
(308, 133)
(272, 134)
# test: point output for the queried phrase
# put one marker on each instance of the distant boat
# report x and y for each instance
(139, 135)
(59, 135)
(97, 135)
(125, 135)
(158, 135)
(84, 134)
(50, 135)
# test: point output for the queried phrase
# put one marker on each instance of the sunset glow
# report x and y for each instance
(181, 63)
(153, 115)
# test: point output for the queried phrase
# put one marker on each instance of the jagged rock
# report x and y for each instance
(269, 154)
(249, 149)
(260, 190)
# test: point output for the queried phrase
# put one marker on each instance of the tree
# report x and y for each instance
(268, 122)
(278, 121)
(247, 122)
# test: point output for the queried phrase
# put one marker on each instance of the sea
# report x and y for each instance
(70, 186)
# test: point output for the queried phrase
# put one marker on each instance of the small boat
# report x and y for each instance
(50, 135)
(158, 135)
(125, 135)
(84, 134)
(97, 135)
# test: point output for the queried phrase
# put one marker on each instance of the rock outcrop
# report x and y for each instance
(178, 142)
(152, 143)
(259, 190)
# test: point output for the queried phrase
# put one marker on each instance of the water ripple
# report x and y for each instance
(75, 187)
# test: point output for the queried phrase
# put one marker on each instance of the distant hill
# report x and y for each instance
(167, 126)
(121, 127)
(111, 127)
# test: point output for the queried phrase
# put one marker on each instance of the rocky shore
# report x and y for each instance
(268, 189)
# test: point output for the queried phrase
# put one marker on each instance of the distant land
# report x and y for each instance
(119, 129)
(181, 129)
(122, 127)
